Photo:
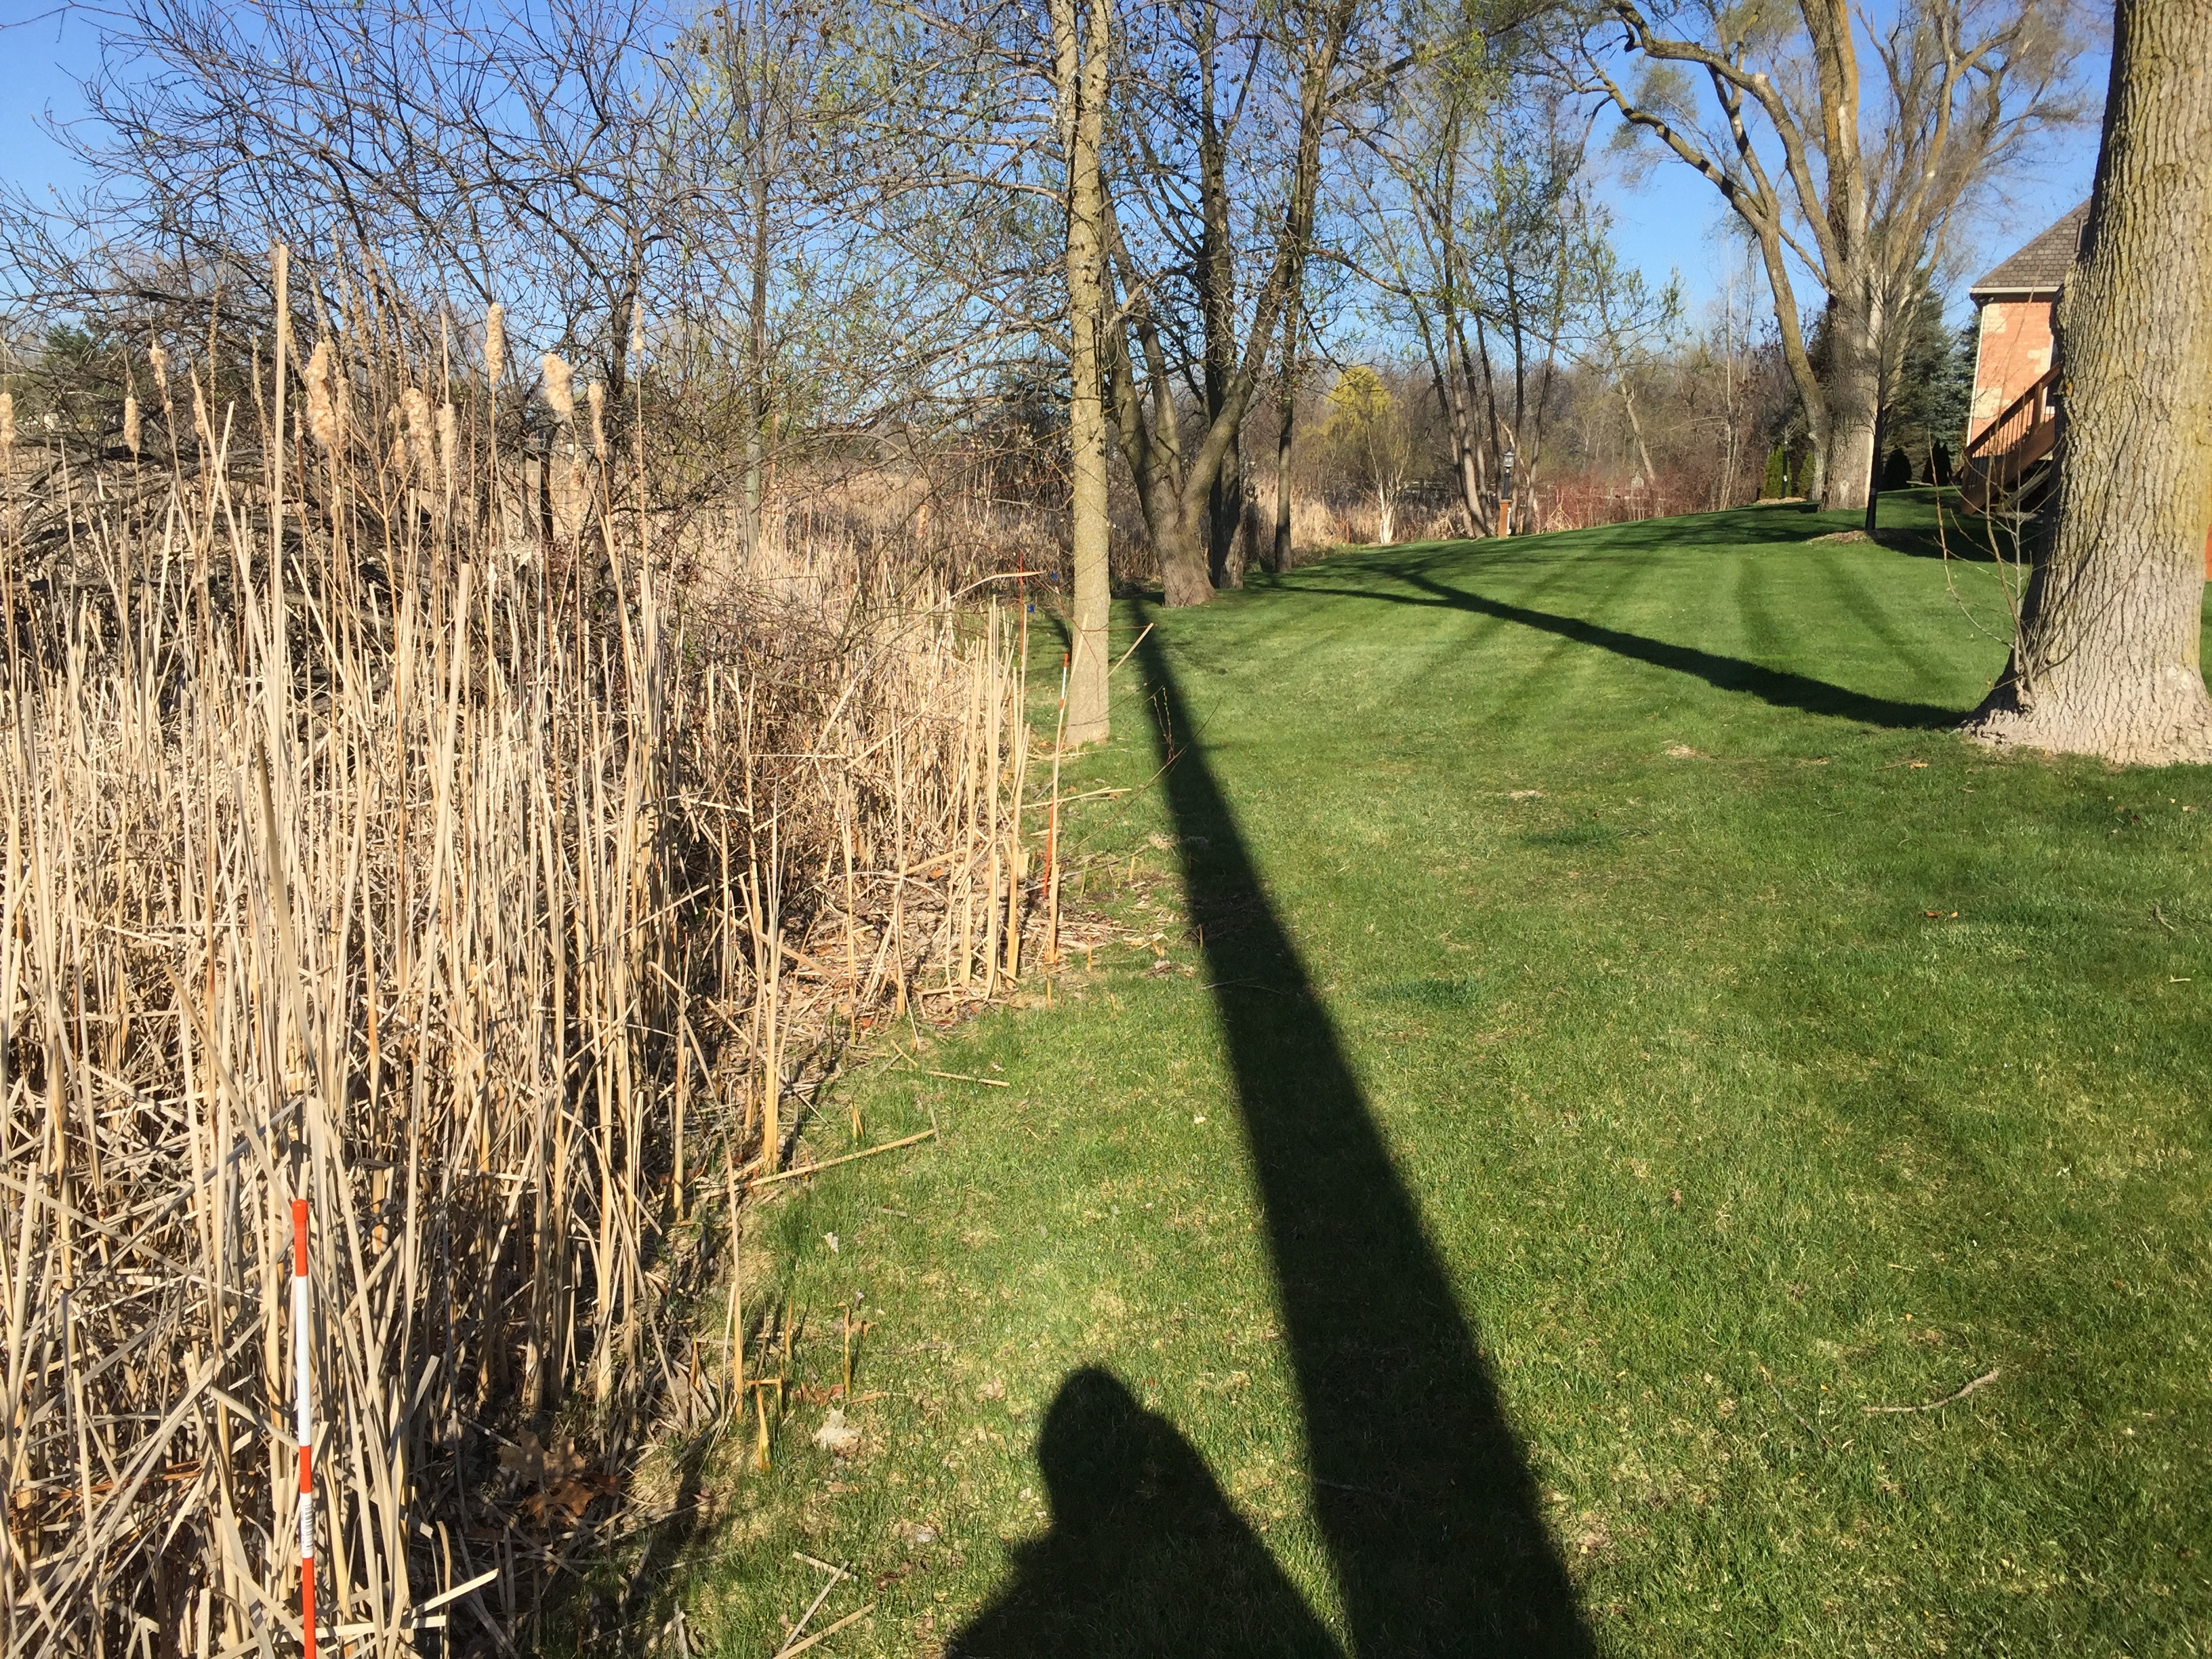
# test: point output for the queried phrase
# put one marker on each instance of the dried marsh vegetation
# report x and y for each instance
(393, 821)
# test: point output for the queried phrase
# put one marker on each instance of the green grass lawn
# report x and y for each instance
(1604, 1033)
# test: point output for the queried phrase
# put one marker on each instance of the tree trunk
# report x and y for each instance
(1635, 426)
(1217, 285)
(1224, 516)
(1081, 71)
(1184, 579)
(2107, 659)
(1173, 503)
(1286, 409)
(1853, 396)
(1874, 476)
(757, 400)
(1252, 533)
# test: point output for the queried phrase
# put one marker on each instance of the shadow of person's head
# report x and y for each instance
(1146, 1555)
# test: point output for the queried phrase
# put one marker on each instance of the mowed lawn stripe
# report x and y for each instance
(1718, 1136)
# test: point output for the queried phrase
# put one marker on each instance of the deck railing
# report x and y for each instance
(2022, 434)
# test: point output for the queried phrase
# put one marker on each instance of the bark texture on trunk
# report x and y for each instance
(1853, 397)
(1224, 518)
(1287, 409)
(2107, 661)
(1184, 578)
(1081, 74)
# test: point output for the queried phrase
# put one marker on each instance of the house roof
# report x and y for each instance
(2040, 267)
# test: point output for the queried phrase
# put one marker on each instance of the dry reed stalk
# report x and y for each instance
(412, 896)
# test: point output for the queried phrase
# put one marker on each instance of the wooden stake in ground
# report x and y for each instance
(304, 1425)
(1052, 832)
(2107, 660)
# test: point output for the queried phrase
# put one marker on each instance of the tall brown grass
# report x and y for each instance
(507, 894)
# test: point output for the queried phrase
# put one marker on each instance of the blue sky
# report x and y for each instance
(1674, 220)
(45, 55)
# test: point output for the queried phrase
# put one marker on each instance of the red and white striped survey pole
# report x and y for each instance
(305, 1424)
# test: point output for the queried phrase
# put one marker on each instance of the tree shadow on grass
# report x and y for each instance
(1782, 687)
(1426, 1505)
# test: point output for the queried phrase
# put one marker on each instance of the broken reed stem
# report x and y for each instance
(795, 1172)
(432, 872)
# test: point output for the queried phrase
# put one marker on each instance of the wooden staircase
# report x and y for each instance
(2006, 468)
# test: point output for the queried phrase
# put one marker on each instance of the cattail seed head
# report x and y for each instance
(559, 392)
(495, 342)
(7, 422)
(419, 438)
(160, 362)
(597, 394)
(448, 444)
(130, 434)
(322, 409)
(200, 417)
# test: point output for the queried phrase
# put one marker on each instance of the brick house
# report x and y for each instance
(2014, 420)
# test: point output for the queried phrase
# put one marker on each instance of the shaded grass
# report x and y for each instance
(1747, 1050)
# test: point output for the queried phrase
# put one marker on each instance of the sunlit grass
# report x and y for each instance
(1751, 1066)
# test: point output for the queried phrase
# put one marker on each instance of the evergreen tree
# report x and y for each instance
(1951, 395)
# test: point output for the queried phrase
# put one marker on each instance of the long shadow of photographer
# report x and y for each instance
(1425, 1502)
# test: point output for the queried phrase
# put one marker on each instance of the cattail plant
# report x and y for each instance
(322, 405)
(448, 444)
(396, 458)
(421, 441)
(474, 914)
(560, 396)
(200, 426)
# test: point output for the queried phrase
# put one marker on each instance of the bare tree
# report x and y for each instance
(1177, 476)
(1082, 45)
(585, 163)
(1857, 190)
(1626, 321)
(1470, 226)
(2108, 657)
